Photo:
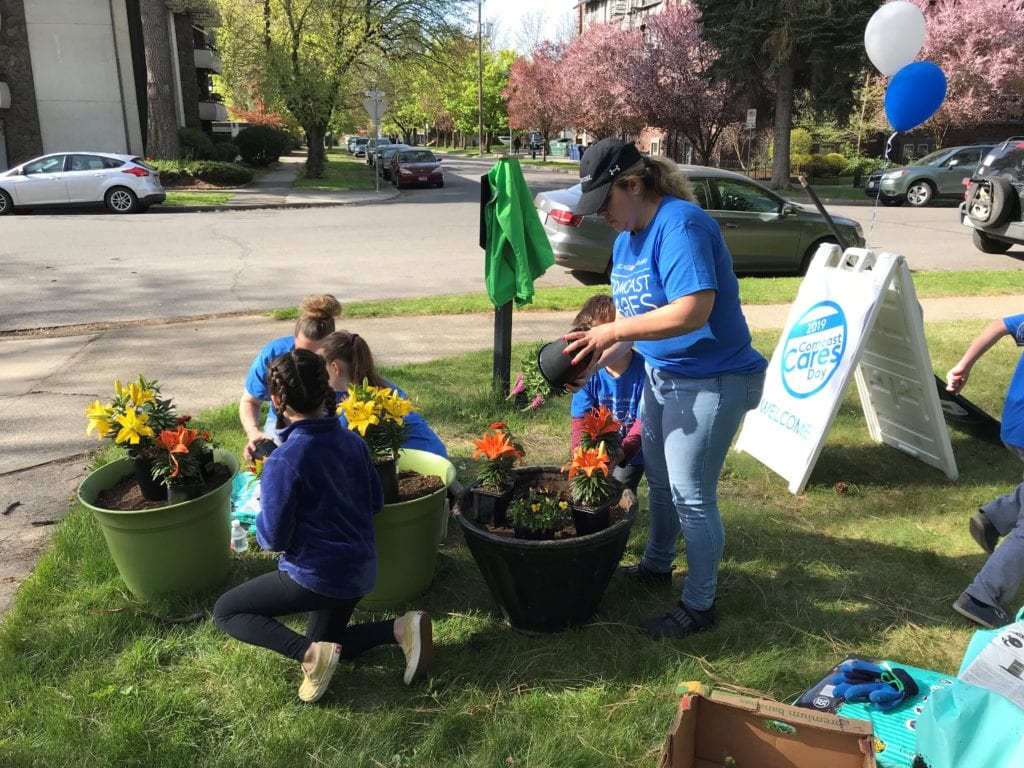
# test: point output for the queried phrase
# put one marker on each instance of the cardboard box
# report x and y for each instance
(760, 733)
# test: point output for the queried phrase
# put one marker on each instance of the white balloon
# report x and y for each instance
(894, 36)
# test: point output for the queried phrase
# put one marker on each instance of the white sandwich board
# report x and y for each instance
(856, 313)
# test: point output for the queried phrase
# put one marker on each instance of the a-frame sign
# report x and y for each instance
(856, 314)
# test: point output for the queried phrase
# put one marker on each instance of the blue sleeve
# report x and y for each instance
(1015, 327)
(686, 260)
(275, 524)
(584, 399)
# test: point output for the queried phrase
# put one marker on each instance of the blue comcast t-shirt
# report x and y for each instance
(680, 252)
(1012, 432)
(256, 383)
(622, 396)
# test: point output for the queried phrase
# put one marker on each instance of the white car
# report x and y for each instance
(124, 183)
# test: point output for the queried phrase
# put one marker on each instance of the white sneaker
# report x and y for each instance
(417, 644)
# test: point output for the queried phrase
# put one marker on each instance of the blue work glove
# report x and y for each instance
(861, 681)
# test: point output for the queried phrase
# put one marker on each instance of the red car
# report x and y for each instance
(419, 167)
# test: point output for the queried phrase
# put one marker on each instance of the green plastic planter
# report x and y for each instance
(406, 536)
(174, 550)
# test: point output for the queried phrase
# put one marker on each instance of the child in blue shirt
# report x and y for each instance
(319, 495)
(1001, 576)
(619, 387)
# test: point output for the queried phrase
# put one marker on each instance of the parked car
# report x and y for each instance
(371, 148)
(994, 201)
(766, 233)
(384, 155)
(939, 174)
(359, 150)
(124, 183)
(354, 142)
(415, 167)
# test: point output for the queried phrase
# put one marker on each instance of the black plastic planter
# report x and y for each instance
(556, 367)
(548, 586)
(490, 508)
(588, 521)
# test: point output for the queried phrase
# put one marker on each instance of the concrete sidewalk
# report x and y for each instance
(48, 379)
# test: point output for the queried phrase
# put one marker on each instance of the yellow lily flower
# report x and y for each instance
(395, 406)
(99, 420)
(360, 414)
(133, 427)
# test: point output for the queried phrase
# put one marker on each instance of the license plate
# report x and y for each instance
(423, 178)
(965, 220)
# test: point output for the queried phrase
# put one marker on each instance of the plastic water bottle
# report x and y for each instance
(239, 538)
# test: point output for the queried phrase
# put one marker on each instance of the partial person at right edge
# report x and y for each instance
(1000, 578)
(316, 319)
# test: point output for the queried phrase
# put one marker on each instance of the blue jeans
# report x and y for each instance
(1003, 572)
(688, 426)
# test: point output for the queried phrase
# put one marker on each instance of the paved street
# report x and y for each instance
(62, 269)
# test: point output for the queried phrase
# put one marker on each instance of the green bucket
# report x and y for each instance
(407, 534)
(178, 549)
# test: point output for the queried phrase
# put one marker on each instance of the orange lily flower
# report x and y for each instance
(600, 421)
(588, 461)
(495, 445)
(176, 441)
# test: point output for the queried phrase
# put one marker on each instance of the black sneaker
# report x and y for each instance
(642, 574)
(983, 532)
(991, 616)
(679, 622)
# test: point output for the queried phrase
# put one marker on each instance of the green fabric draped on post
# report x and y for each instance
(518, 251)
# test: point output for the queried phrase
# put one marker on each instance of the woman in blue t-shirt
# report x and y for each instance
(316, 320)
(677, 303)
(349, 360)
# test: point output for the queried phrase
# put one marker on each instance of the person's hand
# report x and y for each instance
(596, 340)
(617, 457)
(251, 445)
(956, 378)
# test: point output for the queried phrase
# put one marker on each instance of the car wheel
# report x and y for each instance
(990, 202)
(920, 193)
(987, 244)
(809, 254)
(6, 204)
(121, 200)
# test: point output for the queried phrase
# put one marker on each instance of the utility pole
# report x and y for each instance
(480, 77)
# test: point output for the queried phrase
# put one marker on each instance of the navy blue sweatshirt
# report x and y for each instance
(318, 495)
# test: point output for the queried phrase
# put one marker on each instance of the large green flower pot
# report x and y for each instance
(177, 549)
(407, 535)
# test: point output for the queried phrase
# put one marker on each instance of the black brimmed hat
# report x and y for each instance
(601, 164)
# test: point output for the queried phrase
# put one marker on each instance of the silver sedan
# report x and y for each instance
(766, 234)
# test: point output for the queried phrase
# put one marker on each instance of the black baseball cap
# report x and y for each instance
(601, 163)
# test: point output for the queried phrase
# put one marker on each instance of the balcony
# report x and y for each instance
(5, 96)
(208, 60)
(212, 110)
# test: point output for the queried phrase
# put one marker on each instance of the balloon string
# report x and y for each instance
(878, 193)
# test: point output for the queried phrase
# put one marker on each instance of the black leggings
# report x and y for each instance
(247, 613)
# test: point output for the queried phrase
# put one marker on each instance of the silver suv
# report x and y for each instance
(994, 202)
(938, 174)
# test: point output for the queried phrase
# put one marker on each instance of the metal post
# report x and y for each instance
(480, 76)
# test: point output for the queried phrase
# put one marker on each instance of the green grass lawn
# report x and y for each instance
(753, 290)
(89, 679)
(197, 198)
(343, 172)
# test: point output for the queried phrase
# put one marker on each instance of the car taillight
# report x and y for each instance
(968, 184)
(566, 217)
(136, 171)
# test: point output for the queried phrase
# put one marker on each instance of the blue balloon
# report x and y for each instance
(915, 93)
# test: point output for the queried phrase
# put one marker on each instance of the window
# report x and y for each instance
(740, 196)
(91, 163)
(655, 147)
(700, 191)
(967, 157)
(53, 164)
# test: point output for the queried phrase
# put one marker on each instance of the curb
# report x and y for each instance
(269, 206)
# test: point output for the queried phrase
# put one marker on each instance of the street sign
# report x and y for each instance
(751, 118)
(375, 108)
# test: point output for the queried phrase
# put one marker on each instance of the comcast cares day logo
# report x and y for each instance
(814, 349)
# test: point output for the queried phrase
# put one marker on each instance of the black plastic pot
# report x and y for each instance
(152, 490)
(556, 367)
(387, 471)
(548, 586)
(590, 520)
(490, 508)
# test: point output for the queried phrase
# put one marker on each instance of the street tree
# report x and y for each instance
(161, 113)
(536, 92)
(594, 67)
(985, 81)
(313, 50)
(786, 46)
(670, 84)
